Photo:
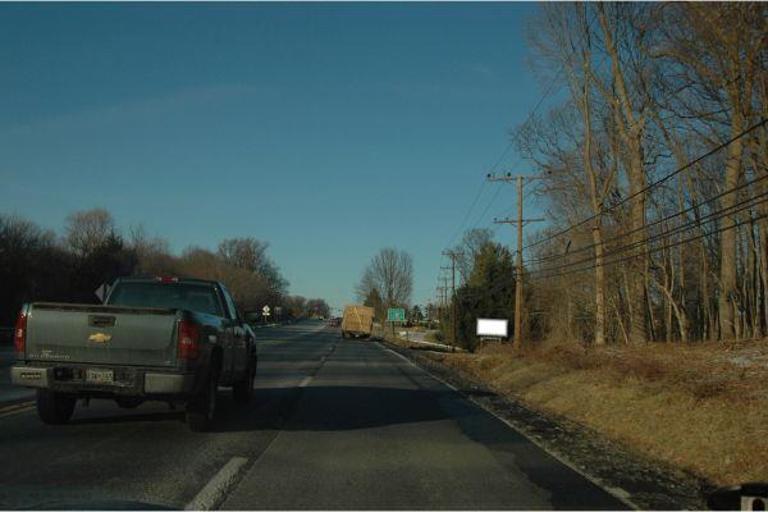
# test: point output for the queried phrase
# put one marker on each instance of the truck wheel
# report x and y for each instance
(128, 402)
(55, 408)
(344, 334)
(202, 408)
(242, 390)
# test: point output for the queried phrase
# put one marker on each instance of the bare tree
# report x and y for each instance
(390, 273)
(466, 251)
(250, 254)
(718, 49)
(247, 253)
(87, 230)
(153, 253)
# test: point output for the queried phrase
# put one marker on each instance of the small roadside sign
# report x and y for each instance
(395, 315)
(102, 291)
(265, 311)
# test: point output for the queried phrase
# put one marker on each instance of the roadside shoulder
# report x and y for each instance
(648, 483)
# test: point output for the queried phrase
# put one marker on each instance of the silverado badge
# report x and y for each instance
(99, 337)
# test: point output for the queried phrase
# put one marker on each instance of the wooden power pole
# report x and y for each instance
(519, 222)
(455, 318)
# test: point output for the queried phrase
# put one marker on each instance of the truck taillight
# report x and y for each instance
(20, 333)
(189, 340)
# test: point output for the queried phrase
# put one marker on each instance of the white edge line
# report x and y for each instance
(305, 381)
(617, 492)
(214, 491)
(14, 409)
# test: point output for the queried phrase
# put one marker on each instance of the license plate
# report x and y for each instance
(99, 376)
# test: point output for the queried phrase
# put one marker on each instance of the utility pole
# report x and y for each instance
(455, 324)
(520, 222)
(444, 299)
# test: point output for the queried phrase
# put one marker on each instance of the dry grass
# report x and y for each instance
(700, 407)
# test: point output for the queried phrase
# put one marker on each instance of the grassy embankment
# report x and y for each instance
(702, 407)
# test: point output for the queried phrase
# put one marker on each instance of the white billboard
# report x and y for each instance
(492, 327)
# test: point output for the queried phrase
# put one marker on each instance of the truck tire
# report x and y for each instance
(201, 409)
(128, 402)
(344, 334)
(55, 408)
(242, 390)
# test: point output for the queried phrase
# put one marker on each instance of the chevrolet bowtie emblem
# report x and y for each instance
(99, 337)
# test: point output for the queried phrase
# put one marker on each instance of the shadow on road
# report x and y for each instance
(129, 418)
(336, 408)
(322, 408)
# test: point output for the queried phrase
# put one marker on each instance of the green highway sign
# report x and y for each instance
(395, 315)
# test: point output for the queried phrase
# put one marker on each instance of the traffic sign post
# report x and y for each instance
(265, 313)
(395, 315)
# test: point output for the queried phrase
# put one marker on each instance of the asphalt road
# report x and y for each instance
(336, 424)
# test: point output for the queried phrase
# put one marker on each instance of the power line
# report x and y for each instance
(654, 223)
(608, 260)
(466, 216)
(666, 246)
(487, 207)
(654, 184)
(479, 193)
(739, 207)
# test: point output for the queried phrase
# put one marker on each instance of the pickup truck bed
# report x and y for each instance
(131, 353)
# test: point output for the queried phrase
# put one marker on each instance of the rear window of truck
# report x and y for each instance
(193, 297)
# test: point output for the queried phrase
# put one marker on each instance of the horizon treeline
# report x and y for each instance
(37, 264)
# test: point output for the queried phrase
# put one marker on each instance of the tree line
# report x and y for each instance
(36, 264)
(653, 166)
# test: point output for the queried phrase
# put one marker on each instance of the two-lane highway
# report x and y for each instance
(335, 424)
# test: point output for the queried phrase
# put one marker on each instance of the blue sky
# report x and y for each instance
(329, 130)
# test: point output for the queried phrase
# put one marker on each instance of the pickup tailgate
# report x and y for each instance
(80, 333)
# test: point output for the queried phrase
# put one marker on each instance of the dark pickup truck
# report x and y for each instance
(163, 338)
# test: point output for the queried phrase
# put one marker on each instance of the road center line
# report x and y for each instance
(215, 490)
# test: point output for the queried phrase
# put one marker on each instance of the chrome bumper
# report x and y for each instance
(168, 383)
(153, 383)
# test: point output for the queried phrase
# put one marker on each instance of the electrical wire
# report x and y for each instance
(652, 185)
(666, 246)
(608, 260)
(650, 225)
(736, 208)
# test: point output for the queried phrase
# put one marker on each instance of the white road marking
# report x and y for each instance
(305, 381)
(401, 356)
(215, 490)
(617, 492)
(10, 410)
